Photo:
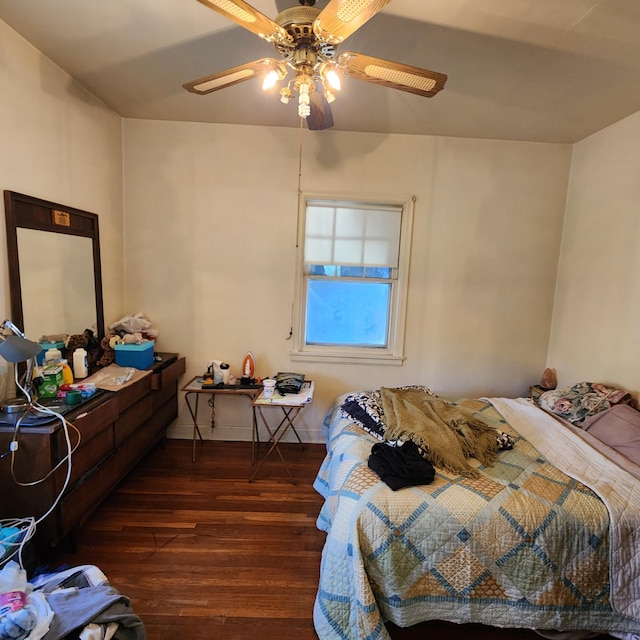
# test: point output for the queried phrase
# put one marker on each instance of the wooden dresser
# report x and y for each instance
(117, 428)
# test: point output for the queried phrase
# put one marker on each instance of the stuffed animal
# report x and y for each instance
(77, 341)
(132, 338)
(108, 352)
(87, 341)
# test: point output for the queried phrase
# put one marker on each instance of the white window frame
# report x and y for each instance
(393, 354)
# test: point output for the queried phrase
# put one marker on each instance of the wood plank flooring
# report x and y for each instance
(204, 554)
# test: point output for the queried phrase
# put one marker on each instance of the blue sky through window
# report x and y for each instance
(347, 313)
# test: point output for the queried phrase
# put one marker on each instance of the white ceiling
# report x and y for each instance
(539, 70)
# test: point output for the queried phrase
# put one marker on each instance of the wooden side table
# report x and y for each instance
(290, 405)
(193, 390)
(535, 391)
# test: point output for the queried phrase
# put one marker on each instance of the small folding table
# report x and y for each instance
(290, 406)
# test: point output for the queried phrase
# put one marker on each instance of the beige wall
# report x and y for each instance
(61, 144)
(210, 233)
(595, 332)
(210, 238)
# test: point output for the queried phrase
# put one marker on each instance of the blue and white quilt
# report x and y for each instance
(523, 545)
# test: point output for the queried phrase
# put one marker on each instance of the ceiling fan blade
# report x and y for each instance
(340, 18)
(395, 75)
(250, 18)
(320, 116)
(229, 77)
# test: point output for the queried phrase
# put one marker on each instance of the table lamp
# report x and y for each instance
(16, 348)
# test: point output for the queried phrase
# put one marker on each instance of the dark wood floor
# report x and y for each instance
(204, 554)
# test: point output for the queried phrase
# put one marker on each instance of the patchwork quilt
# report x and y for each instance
(523, 545)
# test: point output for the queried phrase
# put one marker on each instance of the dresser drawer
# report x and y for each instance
(86, 495)
(91, 453)
(132, 419)
(92, 422)
(129, 395)
(166, 375)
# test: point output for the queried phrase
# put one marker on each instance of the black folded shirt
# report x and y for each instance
(401, 466)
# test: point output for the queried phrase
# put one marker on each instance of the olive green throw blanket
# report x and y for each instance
(449, 433)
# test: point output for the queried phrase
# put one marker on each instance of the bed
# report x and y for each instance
(547, 537)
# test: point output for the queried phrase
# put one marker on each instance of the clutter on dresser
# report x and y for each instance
(80, 363)
(130, 342)
(135, 324)
(139, 356)
(105, 433)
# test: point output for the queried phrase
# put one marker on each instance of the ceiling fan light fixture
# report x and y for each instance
(270, 80)
(334, 79)
(307, 41)
(329, 76)
(285, 95)
(276, 71)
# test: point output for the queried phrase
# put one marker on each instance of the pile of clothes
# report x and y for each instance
(53, 606)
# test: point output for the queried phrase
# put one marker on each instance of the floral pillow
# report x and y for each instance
(365, 409)
(582, 400)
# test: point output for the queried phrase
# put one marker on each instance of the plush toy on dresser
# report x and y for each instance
(107, 345)
(86, 341)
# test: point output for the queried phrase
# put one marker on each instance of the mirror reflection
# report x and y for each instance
(56, 273)
(55, 278)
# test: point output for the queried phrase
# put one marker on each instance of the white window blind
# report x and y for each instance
(352, 236)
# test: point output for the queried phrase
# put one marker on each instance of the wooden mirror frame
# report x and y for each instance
(28, 212)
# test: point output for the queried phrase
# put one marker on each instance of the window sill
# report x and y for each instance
(338, 357)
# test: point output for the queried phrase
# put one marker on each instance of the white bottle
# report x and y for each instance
(80, 366)
(52, 356)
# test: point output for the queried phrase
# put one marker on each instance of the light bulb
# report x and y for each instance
(304, 93)
(333, 79)
(285, 95)
(270, 80)
(303, 101)
(304, 110)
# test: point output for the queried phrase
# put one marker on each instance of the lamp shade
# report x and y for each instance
(17, 349)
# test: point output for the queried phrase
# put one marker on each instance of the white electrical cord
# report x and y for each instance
(26, 530)
(29, 524)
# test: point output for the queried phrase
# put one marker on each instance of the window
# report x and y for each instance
(353, 259)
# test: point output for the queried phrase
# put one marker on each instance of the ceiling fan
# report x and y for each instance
(307, 40)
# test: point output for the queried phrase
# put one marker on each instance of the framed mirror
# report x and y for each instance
(55, 275)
